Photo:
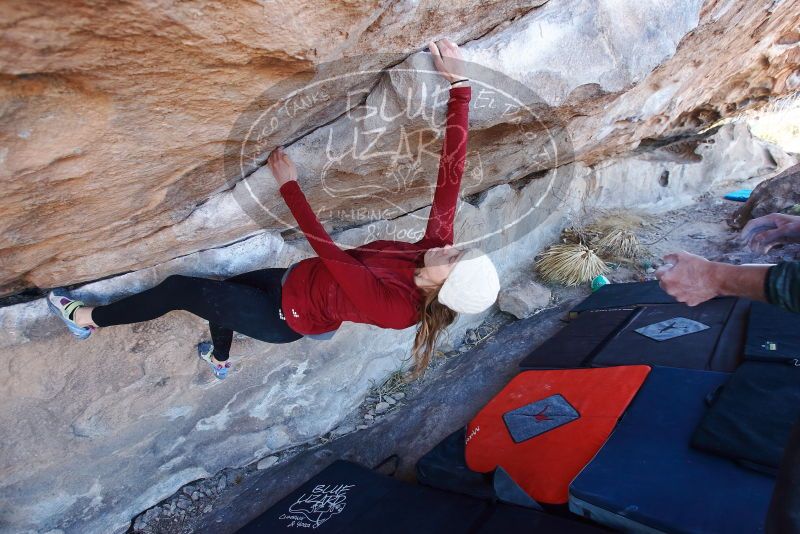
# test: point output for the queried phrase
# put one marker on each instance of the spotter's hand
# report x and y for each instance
(689, 278)
(763, 233)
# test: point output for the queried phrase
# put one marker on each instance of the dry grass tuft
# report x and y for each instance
(574, 235)
(570, 264)
(611, 235)
(584, 247)
(619, 243)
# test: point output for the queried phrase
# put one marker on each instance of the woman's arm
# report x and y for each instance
(382, 302)
(447, 60)
(451, 168)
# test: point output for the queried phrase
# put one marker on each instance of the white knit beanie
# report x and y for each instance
(472, 285)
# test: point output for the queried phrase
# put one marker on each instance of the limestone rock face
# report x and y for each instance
(122, 112)
(132, 114)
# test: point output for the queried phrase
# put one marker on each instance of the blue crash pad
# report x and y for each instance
(647, 478)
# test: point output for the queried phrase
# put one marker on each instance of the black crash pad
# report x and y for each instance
(349, 498)
(576, 343)
(752, 416)
(445, 467)
(507, 519)
(773, 334)
(624, 295)
(698, 350)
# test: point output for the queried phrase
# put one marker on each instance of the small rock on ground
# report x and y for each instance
(267, 462)
(523, 297)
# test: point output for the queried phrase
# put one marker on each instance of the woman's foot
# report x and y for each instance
(206, 352)
(65, 308)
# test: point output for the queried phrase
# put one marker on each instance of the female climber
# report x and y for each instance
(391, 284)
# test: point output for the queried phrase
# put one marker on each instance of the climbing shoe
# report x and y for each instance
(205, 350)
(64, 308)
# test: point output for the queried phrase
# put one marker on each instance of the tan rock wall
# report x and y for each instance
(115, 116)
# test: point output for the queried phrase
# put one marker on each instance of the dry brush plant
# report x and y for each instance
(612, 236)
(619, 243)
(575, 235)
(570, 264)
(584, 247)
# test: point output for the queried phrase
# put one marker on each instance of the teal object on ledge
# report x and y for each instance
(599, 281)
(739, 196)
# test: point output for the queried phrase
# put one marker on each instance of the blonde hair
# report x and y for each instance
(435, 317)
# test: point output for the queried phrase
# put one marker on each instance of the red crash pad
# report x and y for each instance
(545, 426)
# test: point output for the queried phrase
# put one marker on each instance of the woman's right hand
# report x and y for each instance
(447, 59)
(283, 168)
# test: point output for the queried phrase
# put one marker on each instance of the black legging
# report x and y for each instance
(249, 303)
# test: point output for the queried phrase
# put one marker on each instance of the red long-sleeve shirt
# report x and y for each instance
(373, 283)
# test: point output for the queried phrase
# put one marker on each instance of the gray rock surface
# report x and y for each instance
(267, 462)
(523, 297)
(140, 392)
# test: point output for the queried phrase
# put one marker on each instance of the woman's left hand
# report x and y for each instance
(283, 168)
(447, 59)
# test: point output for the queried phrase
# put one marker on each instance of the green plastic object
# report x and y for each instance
(599, 281)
